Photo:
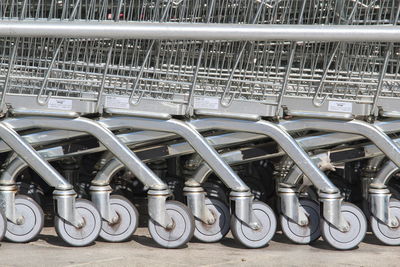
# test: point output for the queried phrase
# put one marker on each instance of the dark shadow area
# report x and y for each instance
(230, 242)
(321, 244)
(281, 238)
(372, 240)
(148, 241)
(57, 241)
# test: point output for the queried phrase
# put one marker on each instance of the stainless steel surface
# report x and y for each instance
(206, 32)
(157, 209)
(105, 136)
(210, 66)
(285, 141)
(29, 155)
(227, 175)
(195, 197)
(100, 196)
(290, 205)
(376, 135)
(385, 173)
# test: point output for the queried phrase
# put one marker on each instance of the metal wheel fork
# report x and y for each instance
(290, 204)
(100, 195)
(196, 199)
(157, 207)
(379, 195)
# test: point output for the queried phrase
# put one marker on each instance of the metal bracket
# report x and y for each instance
(157, 208)
(290, 205)
(7, 203)
(244, 208)
(65, 207)
(101, 198)
(379, 199)
(332, 210)
(196, 202)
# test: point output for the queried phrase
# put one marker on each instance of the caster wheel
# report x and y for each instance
(255, 238)
(181, 231)
(85, 235)
(350, 239)
(32, 221)
(386, 234)
(216, 231)
(303, 234)
(128, 220)
(3, 225)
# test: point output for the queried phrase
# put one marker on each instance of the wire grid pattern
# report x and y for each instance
(252, 71)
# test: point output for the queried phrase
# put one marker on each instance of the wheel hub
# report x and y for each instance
(345, 229)
(171, 226)
(394, 224)
(81, 224)
(20, 220)
(305, 223)
(115, 220)
(255, 226)
(213, 220)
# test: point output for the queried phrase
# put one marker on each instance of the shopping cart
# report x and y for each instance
(208, 61)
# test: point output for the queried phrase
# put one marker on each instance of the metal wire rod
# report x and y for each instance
(186, 31)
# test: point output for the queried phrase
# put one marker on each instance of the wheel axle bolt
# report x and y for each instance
(20, 221)
(210, 221)
(170, 226)
(114, 220)
(256, 226)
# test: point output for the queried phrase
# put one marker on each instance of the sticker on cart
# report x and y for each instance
(206, 103)
(335, 106)
(117, 102)
(61, 104)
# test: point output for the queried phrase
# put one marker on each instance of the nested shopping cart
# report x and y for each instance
(222, 65)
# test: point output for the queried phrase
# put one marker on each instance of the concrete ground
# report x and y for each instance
(49, 250)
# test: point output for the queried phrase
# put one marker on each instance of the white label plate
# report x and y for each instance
(335, 106)
(117, 102)
(61, 104)
(206, 103)
(54, 152)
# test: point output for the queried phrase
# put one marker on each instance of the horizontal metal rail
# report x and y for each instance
(198, 31)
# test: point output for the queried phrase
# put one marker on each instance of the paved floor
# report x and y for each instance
(141, 251)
